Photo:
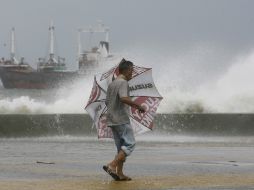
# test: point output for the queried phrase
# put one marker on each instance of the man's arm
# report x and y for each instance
(128, 101)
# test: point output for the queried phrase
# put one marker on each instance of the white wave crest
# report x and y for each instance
(198, 80)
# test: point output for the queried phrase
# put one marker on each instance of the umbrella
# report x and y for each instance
(142, 90)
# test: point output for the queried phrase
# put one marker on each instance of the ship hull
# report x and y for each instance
(36, 80)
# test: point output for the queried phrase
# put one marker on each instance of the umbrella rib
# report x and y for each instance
(99, 86)
(97, 101)
(104, 111)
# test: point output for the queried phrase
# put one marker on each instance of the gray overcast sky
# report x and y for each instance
(148, 23)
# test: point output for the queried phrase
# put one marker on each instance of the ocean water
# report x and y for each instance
(202, 79)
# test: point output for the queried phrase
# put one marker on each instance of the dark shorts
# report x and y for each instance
(124, 138)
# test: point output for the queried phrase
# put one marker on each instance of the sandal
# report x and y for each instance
(111, 173)
(125, 179)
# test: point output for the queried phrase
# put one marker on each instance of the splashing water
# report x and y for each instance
(197, 80)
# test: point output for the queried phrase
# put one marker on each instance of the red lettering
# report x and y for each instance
(147, 120)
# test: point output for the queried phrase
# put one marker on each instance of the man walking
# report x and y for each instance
(117, 101)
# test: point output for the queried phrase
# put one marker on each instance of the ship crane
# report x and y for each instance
(100, 28)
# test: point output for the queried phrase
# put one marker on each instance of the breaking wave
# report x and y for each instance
(200, 80)
(231, 92)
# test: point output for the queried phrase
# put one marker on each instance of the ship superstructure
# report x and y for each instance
(89, 59)
(13, 63)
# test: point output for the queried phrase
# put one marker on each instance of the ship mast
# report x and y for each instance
(79, 43)
(12, 56)
(52, 43)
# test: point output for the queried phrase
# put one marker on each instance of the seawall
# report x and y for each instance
(18, 125)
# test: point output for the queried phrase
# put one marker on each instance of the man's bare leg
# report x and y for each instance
(119, 172)
(112, 165)
(117, 165)
(120, 157)
(119, 168)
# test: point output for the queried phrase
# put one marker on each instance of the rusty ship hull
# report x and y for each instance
(36, 80)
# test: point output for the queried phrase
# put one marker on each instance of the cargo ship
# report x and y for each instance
(51, 72)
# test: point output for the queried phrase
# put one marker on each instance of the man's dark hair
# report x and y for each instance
(124, 65)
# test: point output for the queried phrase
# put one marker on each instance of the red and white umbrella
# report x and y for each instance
(142, 90)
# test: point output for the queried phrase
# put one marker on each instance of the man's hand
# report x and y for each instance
(128, 101)
(141, 109)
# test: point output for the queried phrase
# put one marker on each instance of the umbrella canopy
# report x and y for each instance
(142, 90)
